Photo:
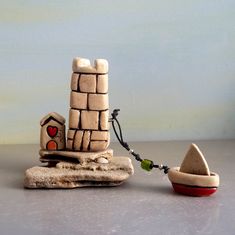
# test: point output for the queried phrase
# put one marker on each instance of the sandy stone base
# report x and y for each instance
(73, 175)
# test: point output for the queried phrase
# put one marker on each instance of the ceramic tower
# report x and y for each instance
(89, 106)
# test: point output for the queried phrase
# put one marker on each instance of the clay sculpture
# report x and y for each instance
(84, 159)
(193, 177)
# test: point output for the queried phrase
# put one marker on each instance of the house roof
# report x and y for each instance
(55, 116)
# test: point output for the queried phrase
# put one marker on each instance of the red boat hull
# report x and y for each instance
(195, 191)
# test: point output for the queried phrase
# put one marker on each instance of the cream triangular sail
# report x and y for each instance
(194, 162)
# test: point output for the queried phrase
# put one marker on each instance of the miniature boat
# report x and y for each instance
(193, 177)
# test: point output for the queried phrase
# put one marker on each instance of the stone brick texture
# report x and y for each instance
(89, 111)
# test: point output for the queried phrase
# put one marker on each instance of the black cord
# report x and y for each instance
(145, 163)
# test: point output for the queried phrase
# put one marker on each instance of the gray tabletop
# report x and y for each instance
(145, 204)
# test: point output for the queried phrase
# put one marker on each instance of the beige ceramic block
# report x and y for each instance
(102, 83)
(74, 116)
(86, 140)
(194, 162)
(52, 135)
(78, 100)
(87, 83)
(70, 134)
(89, 120)
(69, 144)
(175, 176)
(104, 120)
(98, 102)
(101, 66)
(81, 65)
(98, 145)
(78, 140)
(100, 135)
(74, 82)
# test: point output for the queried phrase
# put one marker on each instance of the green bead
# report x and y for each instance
(147, 164)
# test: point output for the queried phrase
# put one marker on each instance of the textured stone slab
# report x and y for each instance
(78, 100)
(194, 162)
(86, 140)
(87, 83)
(102, 83)
(74, 116)
(81, 65)
(81, 157)
(69, 144)
(71, 175)
(98, 145)
(70, 134)
(98, 102)
(74, 81)
(104, 120)
(100, 135)
(77, 141)
(89, 120)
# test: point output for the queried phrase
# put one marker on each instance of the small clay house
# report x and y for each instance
(52, 132)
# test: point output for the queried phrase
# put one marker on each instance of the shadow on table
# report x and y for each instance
(150, 188)
(12, 174)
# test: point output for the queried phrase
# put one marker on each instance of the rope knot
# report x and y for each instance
(145, 164)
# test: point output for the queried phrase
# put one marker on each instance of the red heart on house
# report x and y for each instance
(52, 131)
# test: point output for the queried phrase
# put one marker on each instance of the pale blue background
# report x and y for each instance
(172, 64)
